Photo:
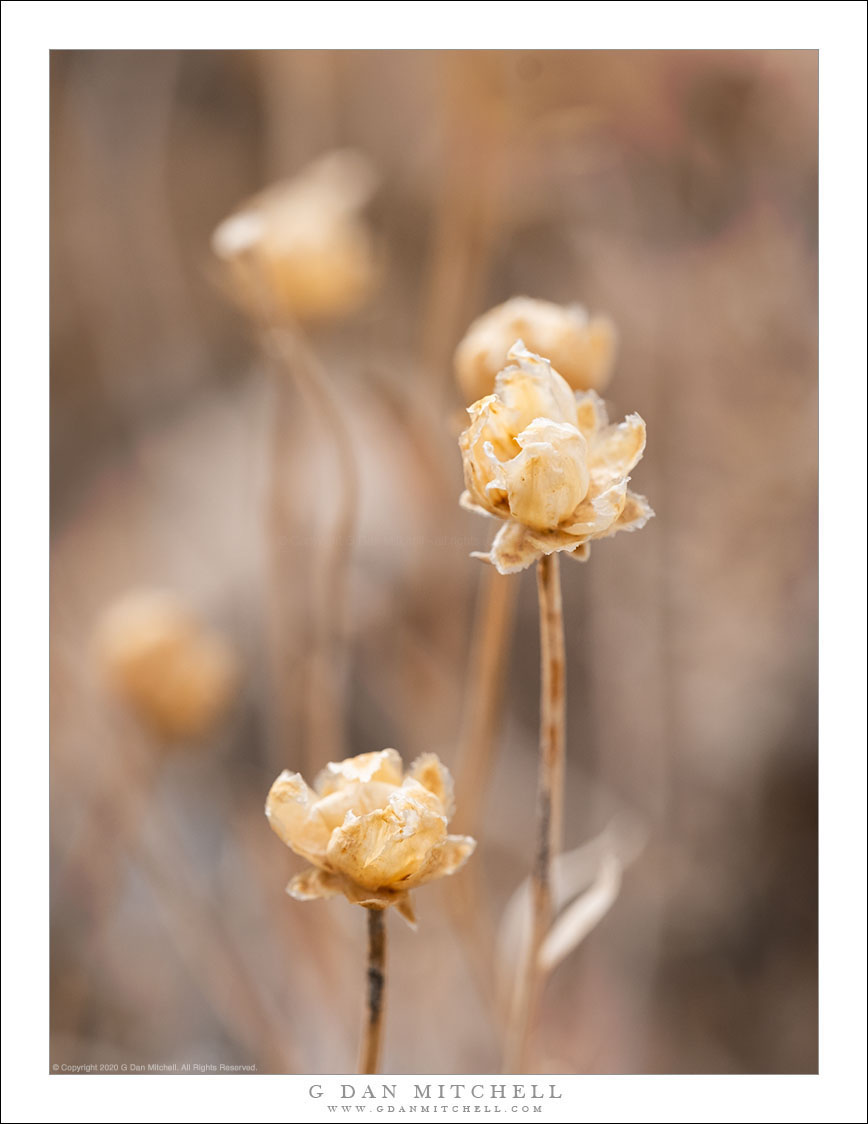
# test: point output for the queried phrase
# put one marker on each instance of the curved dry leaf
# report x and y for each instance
(585, 913)
(573, 874)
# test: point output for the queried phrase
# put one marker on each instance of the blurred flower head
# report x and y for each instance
(370, 832)
(176, 675)
(301, 249)
(546, 461)
(581, 348)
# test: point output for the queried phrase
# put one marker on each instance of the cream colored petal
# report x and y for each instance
(443, 859)
(419, 794)
(581, 348)
(596, 514)
(386, 846)
(238, 234)
(289, 809)
(359, 797)
(370, 899)
(345, 176)
(531, 388)
(586, 354)
(548, 542)
(512, 549)
(637, 511)
(432, 774)
(379, 899)
(616, 450)
(384, 765)
(465, 500)
(580, 553)
(591, 413)
(314, 883)
(549, 478)
(488, 439)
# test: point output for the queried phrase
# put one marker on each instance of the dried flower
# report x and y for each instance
(301, 245)
(580, 347)
(547, 462)
(177, 675)
(370, 832)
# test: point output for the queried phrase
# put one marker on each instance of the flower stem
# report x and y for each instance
(324, 697)
(492, 630)
(369, 1060)
(550, 792)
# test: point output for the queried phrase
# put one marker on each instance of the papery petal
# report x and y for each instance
(488, 439)
(314, 883)
(445, 858)
(637, 511)
(549, 478)
(384, 765)
(370, 899)
(432, 774)
(378, 899)
(419, 794)
(590, 413)
(616, 450)
(593, 517)
(512, 549)
(580, 553)
(532, 388)
(589, 363)
(359, 797)
(466, 501)
(289, 808)
(386, 846)
(549, 542)
(581, 348)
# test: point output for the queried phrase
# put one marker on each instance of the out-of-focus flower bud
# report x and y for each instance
(176, 675)
(301, 249)
(581, 347)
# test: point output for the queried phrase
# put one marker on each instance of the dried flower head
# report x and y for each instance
(370, 832)
(547, 462)
(580, 347)
(302, 245)
(176, 674)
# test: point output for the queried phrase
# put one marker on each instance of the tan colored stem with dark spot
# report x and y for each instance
(372, 1036)
(550, 794)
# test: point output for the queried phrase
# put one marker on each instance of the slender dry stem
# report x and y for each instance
(325, 690)
(372, 1035)
(285, 697)
(550, 792)
(488, 658)
(491, 634)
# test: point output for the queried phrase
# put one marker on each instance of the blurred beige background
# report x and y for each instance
(675, 191)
